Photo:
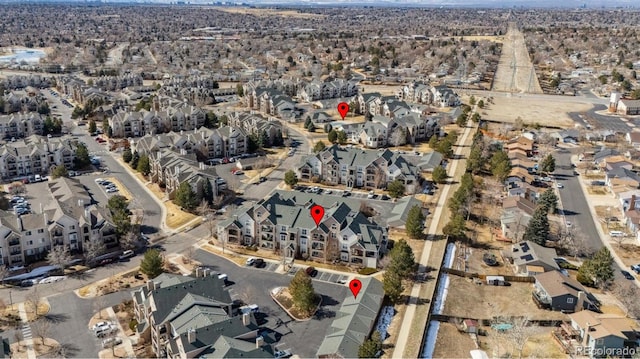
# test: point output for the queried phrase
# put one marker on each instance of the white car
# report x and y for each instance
(112, 189)
(111, 342)
(250, 261)
(371, 195)
(100, 325)
(559, 185)
(99, 180)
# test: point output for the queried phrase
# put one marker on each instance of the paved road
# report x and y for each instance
(71, 316)
(252, 286)
(152, 211)
(598, 121)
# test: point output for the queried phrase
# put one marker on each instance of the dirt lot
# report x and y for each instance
(498, 39)
(515, 70)
(451, 343)
(546, 112)
(489, 301)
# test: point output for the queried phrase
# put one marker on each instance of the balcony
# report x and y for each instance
(266, 237)
(542, 301)
(356, 253)
(317, 254)
(14, 242)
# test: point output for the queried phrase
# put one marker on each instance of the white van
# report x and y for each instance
(246, 309)
(616, 234)
(126, 254)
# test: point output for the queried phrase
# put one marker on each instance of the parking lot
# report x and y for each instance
(322, 276)
(252, 286)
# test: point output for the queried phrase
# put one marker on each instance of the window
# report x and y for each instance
(40, 230)
(569, 300)
(28, 233)
(72, 227)
(344, 238)
(30, 243)
(304, 232)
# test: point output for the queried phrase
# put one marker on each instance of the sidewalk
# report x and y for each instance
(126, 343)
(409, 315)
(26, 332)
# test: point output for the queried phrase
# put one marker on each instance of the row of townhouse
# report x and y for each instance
(20, 125)
(71, 219)
(140, 123)
(196, 81)
(383, 131)
(205, 143)
(330, 88)
(282, 223)
(36, 155)
(17, 82)
(256, 124)
(353, 167)
(441, 96)
(193, 317)
(114, 83)
(196, 95)
(288, 87)
(170, 169)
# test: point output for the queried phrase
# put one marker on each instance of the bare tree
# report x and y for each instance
(93, 249)
(203, 208)
(41, 328)
(627, 295)
(59, 256)
(398, 137)
(379, 177)
(34, 298)
(129, 240)
(520, 332)
(99, 304)
(332, 250)
(4, 272)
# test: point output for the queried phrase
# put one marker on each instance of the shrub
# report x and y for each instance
(582, 279)
(367, 271)
(133, 324)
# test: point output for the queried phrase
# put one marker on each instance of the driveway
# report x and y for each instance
(71, 316)
(252, 286)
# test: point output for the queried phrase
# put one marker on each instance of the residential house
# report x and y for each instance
(353, 322)
(615, 162)
(521, 143)
(189, 317)
(633, 138)
(354, 167)
(271, 101)
(604, 335)
(516, 213)
(172, 169)
(36, 155)
(282, 223)
(71, 219)
(601, 156)
(555, 291)
(622, 176)
(629, 107)
(567, 136)
(530, 258)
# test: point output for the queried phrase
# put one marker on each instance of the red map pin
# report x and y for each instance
(355, 285)
(343, 109)
(317, 212)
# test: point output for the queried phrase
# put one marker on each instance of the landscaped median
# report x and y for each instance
(283, 298)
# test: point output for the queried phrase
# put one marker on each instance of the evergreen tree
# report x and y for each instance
(278, 140)
(538, 229)
(445, 147)
(371, 347)
(59, 171)
(549, 200)
(392, 285)
(135, 157)
(500, 165)
(415, 222)
(82, 159)
(264, 139)
(332, 136)
(152, 264)
(290, 178)
(302, 292)
(92, 127)
(456, 227)
(186, 197)
(403, 261)
(319, 146)
(144, 166)
(342, 137)
(602, 266)
(396, 189)
(439, 174)
(476, 161)
(208, 192)
(127, 155)
(548, 164)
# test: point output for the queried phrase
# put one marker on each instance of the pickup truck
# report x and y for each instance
(635, 268)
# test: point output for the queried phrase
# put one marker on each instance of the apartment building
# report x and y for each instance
(192, 317)
(175, 118)
(70, 219)
(36, 155)
(330, 88)
(205, 143)
(171, 169)
(282, 223)
(354, 167)
(255, 124)
(19, 125)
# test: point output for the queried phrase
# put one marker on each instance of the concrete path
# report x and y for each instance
(27, 336)
(126, 343)
(423, 263)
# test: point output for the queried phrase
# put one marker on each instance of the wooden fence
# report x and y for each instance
(488, 322)
(508, 278)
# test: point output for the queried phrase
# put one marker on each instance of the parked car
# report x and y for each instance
(106, 330)
(259, 263)
(311, 271)
(627, 275)
(127, 254)
(112, 190)
(100, 324)
(635, 268)
(371, 195)
(282, 354)
(250, 261)
(559, 185)
(111, 342)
